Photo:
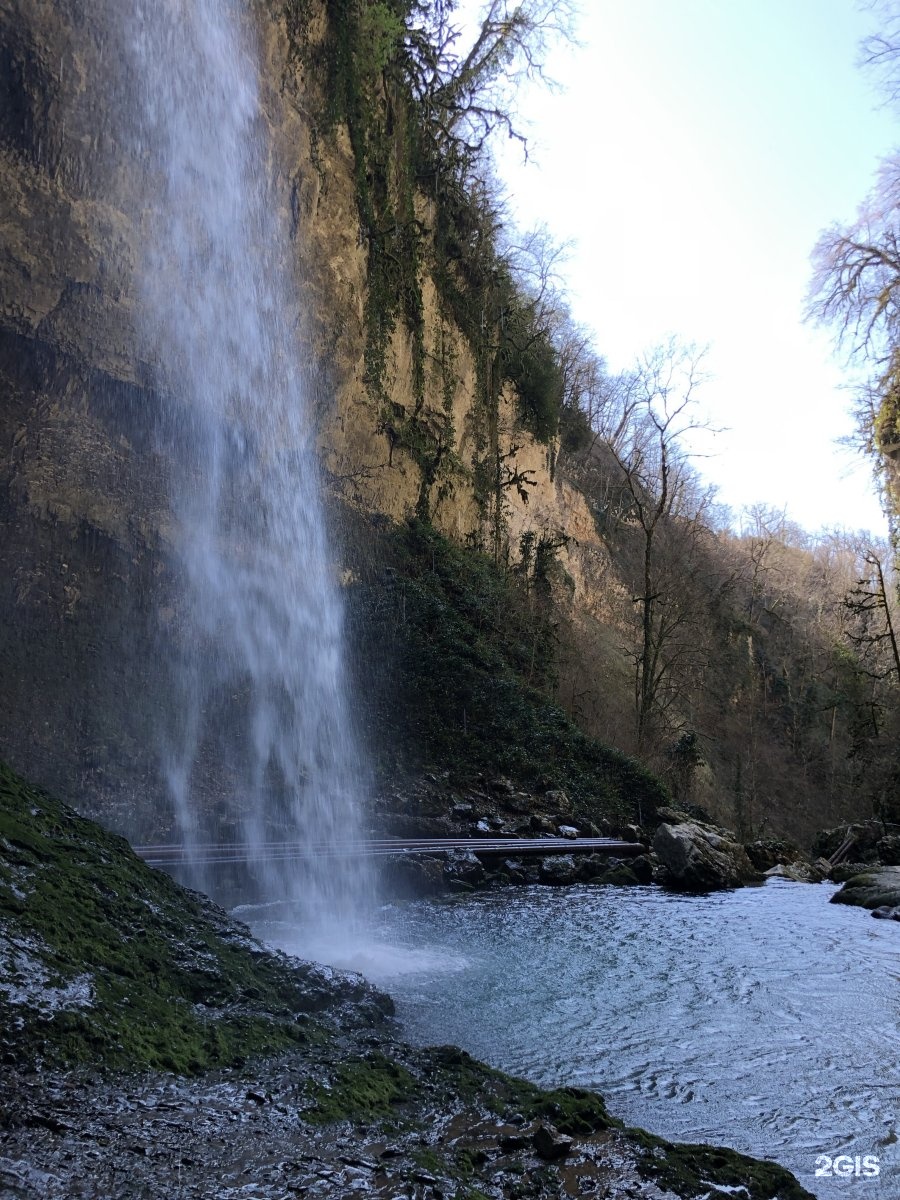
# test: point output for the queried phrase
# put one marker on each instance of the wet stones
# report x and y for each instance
(801, 872)
(462, 867)
(559, 870)
(887, 912)
(407, 876)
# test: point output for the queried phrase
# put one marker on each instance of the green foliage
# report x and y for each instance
(530, 362)
(381, 29)
(575, 433)
(172, 986)
(464, 663)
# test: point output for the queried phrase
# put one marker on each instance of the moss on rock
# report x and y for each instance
(108, 961)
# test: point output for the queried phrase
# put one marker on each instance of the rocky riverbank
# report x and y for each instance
(684, 851)
(151, 1048)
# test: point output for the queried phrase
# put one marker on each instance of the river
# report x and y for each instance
(765, 1019)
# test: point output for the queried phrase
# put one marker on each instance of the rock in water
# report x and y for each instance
(559, 870)
(698, 860)
(877, 888)
(462, 867)
(886, 913)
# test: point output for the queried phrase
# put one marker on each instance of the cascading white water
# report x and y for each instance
(261, 618)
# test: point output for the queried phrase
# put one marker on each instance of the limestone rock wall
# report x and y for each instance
(87, 596)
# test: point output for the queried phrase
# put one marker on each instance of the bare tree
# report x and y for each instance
(464, 85)
(660, 410)
(872, 627)
(855, 287)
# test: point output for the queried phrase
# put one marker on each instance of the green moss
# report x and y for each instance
(573, 1111)
(174, 986)
(362, 1089)
(689, 1170)
(429, 1160)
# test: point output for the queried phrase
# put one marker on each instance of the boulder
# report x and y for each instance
(847, 870)
(887, 912)
(619, 874)
(567, 831)
(409, 876)
(550, 1144)
(540, 823)
(558, 800)
(515, 870)
(800, 872)
(878, 887)
(642, 868)
(559, 870)
(766, 853)
(866, 837)
(698, 860)
(461, 867)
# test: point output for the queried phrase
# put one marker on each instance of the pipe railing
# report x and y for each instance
(215, 853)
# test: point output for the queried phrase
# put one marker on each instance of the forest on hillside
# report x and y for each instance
(752, 665)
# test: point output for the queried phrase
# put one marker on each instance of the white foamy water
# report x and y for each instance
(373, 948)
(256, 641)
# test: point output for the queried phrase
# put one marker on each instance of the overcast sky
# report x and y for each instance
(696, 151)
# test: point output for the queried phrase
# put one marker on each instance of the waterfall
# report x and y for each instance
(258, 648)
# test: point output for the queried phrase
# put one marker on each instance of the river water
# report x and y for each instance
(765, 1019)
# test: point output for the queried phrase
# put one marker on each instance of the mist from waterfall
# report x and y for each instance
(259, 621)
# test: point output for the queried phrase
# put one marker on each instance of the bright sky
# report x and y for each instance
(697, 150)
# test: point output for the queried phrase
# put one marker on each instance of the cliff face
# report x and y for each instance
(87, 592)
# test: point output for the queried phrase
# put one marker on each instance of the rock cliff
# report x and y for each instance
(87, 588)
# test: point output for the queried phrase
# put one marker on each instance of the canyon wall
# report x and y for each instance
(88, 593)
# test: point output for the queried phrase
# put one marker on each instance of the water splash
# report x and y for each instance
(258, 634)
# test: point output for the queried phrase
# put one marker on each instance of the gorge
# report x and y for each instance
(318, 525)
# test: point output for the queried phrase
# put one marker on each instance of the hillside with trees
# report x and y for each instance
(750, 664)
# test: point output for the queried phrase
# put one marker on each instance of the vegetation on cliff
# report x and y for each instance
(713, 664)
(462, 654)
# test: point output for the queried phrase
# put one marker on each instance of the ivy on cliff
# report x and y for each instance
(418, 119)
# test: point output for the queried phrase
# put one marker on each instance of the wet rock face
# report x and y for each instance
(461, 867)
(696, 859)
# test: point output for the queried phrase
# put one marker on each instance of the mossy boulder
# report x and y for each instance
(104, 960)
(878, 887)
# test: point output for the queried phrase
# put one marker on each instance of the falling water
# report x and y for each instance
(259, 618)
